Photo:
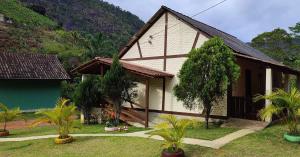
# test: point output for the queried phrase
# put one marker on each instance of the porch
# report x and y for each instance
(256, 77)
(137, 111)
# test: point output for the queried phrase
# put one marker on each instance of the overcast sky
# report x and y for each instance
(242, 18)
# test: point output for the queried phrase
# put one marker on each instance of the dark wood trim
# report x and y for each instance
(182, 113)
(156, 57)
(147, 104)
(163, 94)
(166, 41)
(101, 70)
(139, 47)
(196, 40)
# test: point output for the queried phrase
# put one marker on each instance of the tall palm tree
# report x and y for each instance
(7, 114)
(285, 105)
(62, 116)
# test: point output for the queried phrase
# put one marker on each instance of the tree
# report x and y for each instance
(205, 75)
(88, 94)
(62, 116)
(118, 87)
(7, 115)
(285, 105)
(276, 44)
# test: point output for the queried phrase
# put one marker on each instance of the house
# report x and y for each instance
(156, 53)
(30, 80)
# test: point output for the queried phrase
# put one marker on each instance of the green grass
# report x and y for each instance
(266, 143)
(22, 15)
(50, 130)
(214, 132)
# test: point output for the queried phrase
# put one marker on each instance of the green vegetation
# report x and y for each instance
(205, 76)
(50, 130)
(7, 115)
(90, 16)
(118, 87)
(24, 16)
(214, 132)
(280, 45)
(266, 143)
(172, 130)
(285, 105)
(62, 116)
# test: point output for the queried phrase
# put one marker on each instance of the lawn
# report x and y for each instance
(266, 143)
(214, 132)
(50, 130)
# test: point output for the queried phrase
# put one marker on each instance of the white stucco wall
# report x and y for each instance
(133, 52)
(153, 63)
(180, 36)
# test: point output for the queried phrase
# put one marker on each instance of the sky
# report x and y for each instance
(244, 19)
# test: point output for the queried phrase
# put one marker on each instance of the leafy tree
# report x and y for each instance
(88, 94)
(205, 75)
(280, 45)
(7, 115)
(275, 44)
(285, 105)
(295, 30)
(98, 45)
(62, 116)
(118, 87)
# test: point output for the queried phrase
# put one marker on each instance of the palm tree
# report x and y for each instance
(285, 105)
(62, 116)
(7, 115)
(172, 130)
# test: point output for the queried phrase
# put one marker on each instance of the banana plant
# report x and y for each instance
(63, 116)
(7, 115)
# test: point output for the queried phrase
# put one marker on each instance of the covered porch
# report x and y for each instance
(256, 77)
(132, 111)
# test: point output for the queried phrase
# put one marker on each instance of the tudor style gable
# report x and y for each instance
(167, 38)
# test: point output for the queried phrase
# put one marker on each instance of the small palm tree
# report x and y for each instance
(172, 130)
(7, 115)
(62, 116)
(283, 104)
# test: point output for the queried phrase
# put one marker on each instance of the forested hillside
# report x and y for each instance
(92, 16)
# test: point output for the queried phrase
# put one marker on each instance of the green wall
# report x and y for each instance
(29, 94)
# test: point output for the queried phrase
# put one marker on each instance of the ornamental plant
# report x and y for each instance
(7, 115)
(172, 130)
(285, 105)
(63, 116)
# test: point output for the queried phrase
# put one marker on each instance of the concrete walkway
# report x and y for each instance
(215, 144)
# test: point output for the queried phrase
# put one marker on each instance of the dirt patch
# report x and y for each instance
(20, 124)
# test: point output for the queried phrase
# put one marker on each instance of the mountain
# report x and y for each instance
(92, 16)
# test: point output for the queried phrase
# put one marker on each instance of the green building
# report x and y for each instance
(30, 81)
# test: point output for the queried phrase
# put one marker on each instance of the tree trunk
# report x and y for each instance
(207, 114)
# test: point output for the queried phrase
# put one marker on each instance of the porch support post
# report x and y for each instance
(286, 82)
(163, 94)
(298, 81)
(269, 85)
(83, 77)
(147, 104)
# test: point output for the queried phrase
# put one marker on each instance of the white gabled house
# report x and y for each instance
(156, 53)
